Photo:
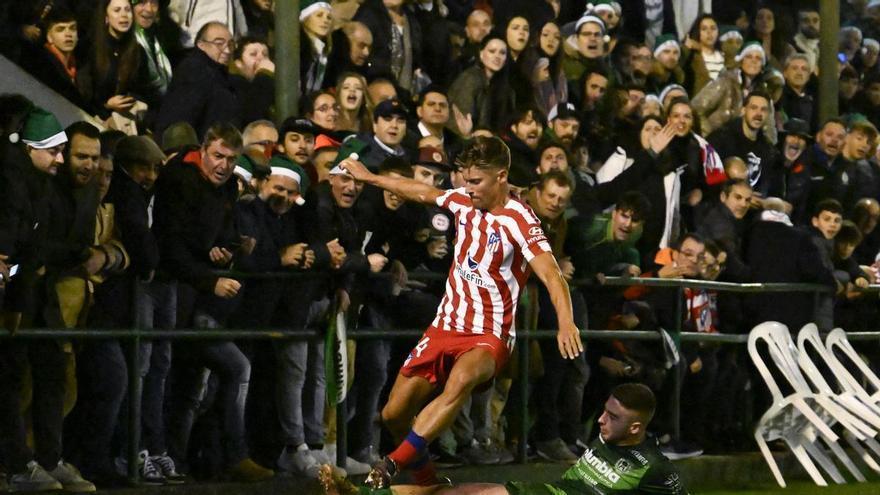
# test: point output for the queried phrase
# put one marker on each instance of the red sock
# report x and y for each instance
(425, 474)
(411, 449)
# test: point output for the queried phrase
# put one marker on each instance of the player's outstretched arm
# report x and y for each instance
(408, 189)
(568, 337)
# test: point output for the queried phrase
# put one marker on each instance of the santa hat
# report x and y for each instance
(665, 92)
(665, 41)
(244, 167)
(281, 165)
(604, 6)
(42, 130)
(350, 148)
(309, 7)
(729, 32)
(752, 46)
(595, 20)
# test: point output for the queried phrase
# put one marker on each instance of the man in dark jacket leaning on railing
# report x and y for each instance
(195, 228)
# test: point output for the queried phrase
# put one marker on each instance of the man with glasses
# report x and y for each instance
(200, 93)
(590, 38)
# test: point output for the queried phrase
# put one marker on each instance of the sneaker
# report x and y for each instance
(505, 456)
(71, 481)
(322, 457)
(443, 458)
(675, 450)
(168, 468)
(352, 466)
(381, 474)
(299, 461)
(556, 451)
(366, 456)
(249, 471)
(33, 479)
(479, 454)
(151, 473)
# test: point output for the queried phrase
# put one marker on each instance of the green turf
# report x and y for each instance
(802, 488)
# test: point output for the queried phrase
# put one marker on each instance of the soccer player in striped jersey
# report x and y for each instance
(499, 240)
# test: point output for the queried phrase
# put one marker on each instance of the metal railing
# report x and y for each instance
(133, 337)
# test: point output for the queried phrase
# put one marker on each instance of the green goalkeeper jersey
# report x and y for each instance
(612, 470)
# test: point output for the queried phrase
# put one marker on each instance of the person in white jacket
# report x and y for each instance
(191, 15)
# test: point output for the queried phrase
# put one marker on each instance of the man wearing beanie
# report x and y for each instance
(333, 236)
(275, 218)
(665, 70)
(137, 163)
(32, 156)
(585, 48)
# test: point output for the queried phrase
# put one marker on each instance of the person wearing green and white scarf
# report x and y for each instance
(157, 67)
(316, 19)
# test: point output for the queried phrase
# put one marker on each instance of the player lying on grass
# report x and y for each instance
(620, 461)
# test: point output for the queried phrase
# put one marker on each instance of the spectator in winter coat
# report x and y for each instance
(252, 76)
(196, 233)
(193, 15)
(201, 92)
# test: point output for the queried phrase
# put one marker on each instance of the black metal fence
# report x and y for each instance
(133, 336)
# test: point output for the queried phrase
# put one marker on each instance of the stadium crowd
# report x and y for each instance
(661, 138)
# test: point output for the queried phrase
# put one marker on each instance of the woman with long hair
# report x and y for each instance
(543, 59)
(111, 73)
(481, 93)
(316, 20)
(703, 60)
(763, 29)
(355, 108)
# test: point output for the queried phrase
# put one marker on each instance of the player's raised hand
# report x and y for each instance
(355, 168)
(569, 340)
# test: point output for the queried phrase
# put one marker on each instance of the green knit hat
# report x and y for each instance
(309, 7)
(665, 41)
(281, 165)
(42, 130)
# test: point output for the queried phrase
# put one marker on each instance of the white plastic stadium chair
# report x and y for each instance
(857, 417)
(792, 418)
(837, 341)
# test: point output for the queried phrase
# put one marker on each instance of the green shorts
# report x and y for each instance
(561, 487)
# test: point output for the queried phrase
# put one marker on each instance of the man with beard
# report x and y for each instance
(744, 137)
(806, 40)
(296, 141)
(665, 70)
(525, 128)
(563, 125)
(32, 156)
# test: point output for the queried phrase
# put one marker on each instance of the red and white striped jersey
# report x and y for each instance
(490, 265)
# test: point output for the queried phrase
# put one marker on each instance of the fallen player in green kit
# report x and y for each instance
(620, 461)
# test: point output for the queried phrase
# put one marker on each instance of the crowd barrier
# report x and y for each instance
(525, 334)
